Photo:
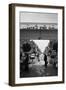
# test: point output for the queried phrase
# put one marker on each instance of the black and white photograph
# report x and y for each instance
(38, 44)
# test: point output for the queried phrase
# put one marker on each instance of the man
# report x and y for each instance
(45, 59)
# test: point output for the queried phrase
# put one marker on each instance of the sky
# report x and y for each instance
(35, 17)
(42, 44)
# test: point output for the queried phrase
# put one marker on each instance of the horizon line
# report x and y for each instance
(37, 23)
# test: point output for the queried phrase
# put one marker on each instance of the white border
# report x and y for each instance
(17, 39)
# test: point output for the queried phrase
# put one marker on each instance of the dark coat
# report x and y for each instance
(45, 58)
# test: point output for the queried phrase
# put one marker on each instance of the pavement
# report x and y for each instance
(38, 69)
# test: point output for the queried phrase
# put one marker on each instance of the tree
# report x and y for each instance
(55, 46)
(26, 47)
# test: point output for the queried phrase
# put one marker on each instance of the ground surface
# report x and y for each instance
(38, 69)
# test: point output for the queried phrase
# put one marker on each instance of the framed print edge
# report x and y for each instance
(12, 44)
(63, 34)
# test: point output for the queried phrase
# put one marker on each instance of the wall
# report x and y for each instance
(4, 45)
(36, 34)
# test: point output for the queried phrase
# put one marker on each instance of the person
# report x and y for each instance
(45, 59)
(26, 62)
(38, 57)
